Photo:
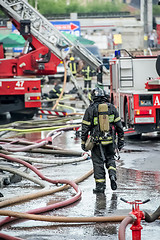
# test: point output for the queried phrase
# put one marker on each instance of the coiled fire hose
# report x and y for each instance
(43, 142)
(68, 182)
(63, 219)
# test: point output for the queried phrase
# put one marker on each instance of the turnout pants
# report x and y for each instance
(87, 85)
(98, 162)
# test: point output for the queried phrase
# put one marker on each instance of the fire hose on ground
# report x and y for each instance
(40, 193)
(43, 142)
(44, 146)
(37, 129)
(153, 217)
(53, 161)
(7, 237)
(52, 120)
(55, 133)
(24, 175)
(50, 207)
(31, 214)
(125, 220)
(49, 151)
(31, 196)
(26, 148)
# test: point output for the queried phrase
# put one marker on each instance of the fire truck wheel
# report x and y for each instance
(126, 116)
(21, 116)
(136, 136)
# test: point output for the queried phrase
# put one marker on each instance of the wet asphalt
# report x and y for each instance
(138, 178)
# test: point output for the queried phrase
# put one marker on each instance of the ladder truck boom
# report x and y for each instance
(46, 33)
(45, 47)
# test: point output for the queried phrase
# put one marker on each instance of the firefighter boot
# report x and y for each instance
(100, 187)
(113, 182)
(112, 176)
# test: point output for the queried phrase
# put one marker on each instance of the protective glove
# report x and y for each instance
(83, 147)
(120, 145)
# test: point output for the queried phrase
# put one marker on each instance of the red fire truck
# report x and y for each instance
(45, 48)
(135, 91)
(19, 94)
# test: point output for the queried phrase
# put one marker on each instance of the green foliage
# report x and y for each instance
(2, 13)
(49, 7)
(103, 6)
(72, 7)
(32, 2)
(156, 10)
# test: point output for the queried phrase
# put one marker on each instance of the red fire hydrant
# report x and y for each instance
(138, 216)
(136, 226)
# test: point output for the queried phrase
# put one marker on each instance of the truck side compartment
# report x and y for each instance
(135, 91)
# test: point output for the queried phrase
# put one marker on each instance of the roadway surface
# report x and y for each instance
(138, 174)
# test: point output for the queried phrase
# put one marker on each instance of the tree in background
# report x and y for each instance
(49, 7)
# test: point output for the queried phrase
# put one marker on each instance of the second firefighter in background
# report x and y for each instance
(56, 90)
(87, 73)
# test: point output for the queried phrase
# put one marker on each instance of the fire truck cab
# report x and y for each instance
(135, 91)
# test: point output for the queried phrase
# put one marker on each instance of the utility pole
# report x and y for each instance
(150, 15)
(147, 20)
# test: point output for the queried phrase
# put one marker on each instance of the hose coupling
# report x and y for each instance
(132, 216)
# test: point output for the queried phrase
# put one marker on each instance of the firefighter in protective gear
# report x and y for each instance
(102, 141)
(73, 66)
(56, 91)
(87, 73)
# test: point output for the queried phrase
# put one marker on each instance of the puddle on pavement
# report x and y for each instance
(67, 139)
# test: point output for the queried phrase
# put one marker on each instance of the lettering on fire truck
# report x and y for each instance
(157, 102)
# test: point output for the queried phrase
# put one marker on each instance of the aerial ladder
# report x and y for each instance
(40, 33)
